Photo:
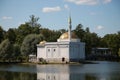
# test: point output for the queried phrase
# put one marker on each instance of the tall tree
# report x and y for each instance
(91, 40)
(33, 22)
(22, 31)
(1, 34)
(50, 35)
(30, 27)
(87, 30)
(29, 44)
(10, 34)
(113, 42)
(6, 49)
(79, 31)
(119, 52)
(16, 51)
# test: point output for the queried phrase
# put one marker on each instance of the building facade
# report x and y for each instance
(68, 48)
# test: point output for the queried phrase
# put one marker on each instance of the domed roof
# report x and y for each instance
(42, 42)
(66, 36)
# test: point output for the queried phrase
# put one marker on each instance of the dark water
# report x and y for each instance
(102, 71)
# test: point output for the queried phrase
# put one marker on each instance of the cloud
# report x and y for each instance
(106, 1)
(6, 18)
(89, 2)
(51, 9)
(66, 7)
(99, 27)
(83, 2)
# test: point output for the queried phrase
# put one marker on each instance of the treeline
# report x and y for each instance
(18, 43)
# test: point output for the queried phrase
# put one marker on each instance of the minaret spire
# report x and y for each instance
(70, 26)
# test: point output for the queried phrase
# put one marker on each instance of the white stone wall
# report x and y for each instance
(41, 52)
(82, 51)
(54, 52)
(77, 50)
(64, 52)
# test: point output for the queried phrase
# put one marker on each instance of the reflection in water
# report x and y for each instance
(102, 71)
(53, 72)
(5, 75)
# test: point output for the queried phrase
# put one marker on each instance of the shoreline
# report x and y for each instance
(39, 63)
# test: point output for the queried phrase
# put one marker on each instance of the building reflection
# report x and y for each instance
(57, 72)
(53, 72)
(52, 76)
(68, 72)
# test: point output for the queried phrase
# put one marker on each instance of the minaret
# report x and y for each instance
(69, 29)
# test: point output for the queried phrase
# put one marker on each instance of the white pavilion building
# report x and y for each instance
(68, 48)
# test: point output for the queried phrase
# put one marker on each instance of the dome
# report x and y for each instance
(42, 42)
(66, 36)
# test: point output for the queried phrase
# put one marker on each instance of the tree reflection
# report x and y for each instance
(5, 75)
(89, 77)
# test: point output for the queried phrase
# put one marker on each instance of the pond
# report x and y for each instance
(101, 71)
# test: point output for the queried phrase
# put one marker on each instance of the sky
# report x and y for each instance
(101, 16)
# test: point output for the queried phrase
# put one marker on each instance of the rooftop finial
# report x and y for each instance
(70, 26)
(69, 19)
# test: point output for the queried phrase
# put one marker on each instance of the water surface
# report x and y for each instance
(102, 71)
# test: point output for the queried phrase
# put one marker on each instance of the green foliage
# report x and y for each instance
(22, 31)
(119, 52)
(1, 34)
(62, 31)
(87, 30)
(91, 39)
(33, 22)
(31, 27)
(50, 35)
(112, 41)
(79, 31)
(6, 49)
(16, 50)
(10, 34)
(29, 45)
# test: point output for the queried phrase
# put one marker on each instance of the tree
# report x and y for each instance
(29, 44)
(22, 31)
(33, 22)
(10, 34)
(62, 31)
(102, 43)
(91, 40)
(1, 34)
(16, 51)
(87, 30)
(50, 35)
(113, 42)
(30, 27)
(79, 31)
(119, 52)
(95, 40)
(6, 49)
